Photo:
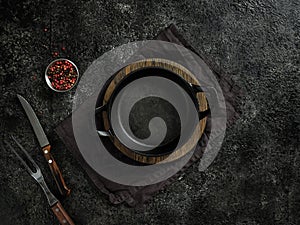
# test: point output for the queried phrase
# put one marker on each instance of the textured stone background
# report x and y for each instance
(256, 177)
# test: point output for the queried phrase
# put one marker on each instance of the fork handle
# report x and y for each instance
(57, 175)
(61, 214)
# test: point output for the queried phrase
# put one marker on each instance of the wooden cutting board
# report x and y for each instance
(176, 69)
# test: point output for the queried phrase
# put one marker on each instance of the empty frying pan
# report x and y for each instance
(151, 108)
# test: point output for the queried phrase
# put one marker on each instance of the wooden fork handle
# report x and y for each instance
(61, 214)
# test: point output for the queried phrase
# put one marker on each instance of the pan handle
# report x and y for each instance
(104, 133)
(203, 114)
(196, 88)
(212, 93)
(100, 110)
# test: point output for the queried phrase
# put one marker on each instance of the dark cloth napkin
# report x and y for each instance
(135, 196)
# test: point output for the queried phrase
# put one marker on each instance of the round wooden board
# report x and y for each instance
(187, 76)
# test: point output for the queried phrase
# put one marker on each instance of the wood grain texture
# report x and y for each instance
(56, 173)
(61, 214)
(187, 76)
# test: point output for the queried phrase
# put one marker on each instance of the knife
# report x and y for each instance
(46, 147)
(58, 210)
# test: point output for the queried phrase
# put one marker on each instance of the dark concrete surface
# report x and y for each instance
(255, 179)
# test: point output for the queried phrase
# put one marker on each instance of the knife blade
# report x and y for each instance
(45, 145)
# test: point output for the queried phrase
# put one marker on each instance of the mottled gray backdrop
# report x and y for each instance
(255, 178)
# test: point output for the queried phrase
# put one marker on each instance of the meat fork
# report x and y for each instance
(55, 205)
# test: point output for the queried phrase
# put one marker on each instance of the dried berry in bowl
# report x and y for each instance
(61, 75)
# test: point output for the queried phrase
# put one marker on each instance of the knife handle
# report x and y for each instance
(61, 214)
(59, 180)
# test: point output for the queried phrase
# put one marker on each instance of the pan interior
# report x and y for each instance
(153, 114)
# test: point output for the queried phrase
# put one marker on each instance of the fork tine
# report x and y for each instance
(26, 153)
(19, 157)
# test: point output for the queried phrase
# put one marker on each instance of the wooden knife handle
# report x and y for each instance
(59, 180)
(61, 214)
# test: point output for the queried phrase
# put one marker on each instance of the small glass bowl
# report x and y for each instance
(61, 75)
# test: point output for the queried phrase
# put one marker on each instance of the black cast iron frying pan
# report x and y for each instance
(137, 79)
